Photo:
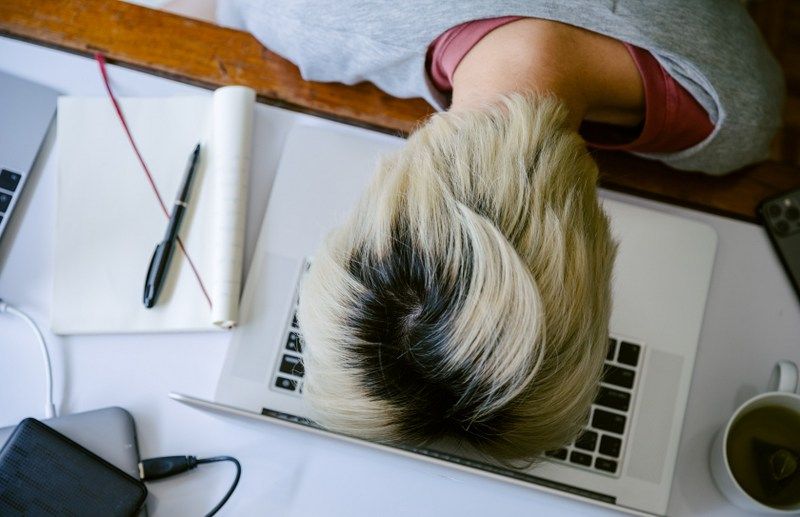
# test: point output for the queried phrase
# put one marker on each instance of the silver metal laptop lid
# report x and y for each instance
(26, 110)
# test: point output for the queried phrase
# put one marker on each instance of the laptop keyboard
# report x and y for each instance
(289, 373)
(8, 185)
(599, 447)
(601, 444)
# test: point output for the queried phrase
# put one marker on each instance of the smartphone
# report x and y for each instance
(781, 216)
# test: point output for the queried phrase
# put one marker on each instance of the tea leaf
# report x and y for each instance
(782, 464)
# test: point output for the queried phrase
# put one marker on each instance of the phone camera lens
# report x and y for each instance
(774, 210)
(792, 213)
(782, 227)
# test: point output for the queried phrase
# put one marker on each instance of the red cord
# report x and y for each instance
(101, 60)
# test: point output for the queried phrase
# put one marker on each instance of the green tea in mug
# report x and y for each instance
(764, 455)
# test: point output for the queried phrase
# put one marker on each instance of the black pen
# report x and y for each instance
(159, 264)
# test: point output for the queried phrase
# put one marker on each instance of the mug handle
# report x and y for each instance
(784, 377)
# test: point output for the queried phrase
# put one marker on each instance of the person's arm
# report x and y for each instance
(592, 74)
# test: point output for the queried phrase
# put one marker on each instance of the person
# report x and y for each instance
(468, 296)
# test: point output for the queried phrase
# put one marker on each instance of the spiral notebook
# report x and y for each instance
(108, 220)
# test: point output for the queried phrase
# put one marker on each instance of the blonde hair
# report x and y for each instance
(468, 294)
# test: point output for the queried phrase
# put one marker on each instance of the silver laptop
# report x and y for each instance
(626, 456)
(26, 109)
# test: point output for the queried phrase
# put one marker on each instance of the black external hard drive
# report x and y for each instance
(42, 472)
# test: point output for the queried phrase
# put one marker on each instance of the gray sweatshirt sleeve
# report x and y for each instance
(736, 79)
(711, 47)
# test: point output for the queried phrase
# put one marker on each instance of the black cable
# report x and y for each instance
(168, 466)
(235, 480)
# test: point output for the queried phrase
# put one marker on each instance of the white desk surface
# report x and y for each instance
(752, 320)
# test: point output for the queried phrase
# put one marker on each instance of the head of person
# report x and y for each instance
(468, 295)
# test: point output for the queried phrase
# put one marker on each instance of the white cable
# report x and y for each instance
(50, 408)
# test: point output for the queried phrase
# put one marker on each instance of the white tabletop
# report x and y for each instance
(752, 320)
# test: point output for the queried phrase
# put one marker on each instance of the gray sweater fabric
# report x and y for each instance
(711, 47)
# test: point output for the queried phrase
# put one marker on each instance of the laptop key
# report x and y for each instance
(287, 384)
(612, 349)
(580, 458)
(9, 180)
(293, 343)
(5, 200)
(560, 454)
(612, 398)
(628, 353)
(618, 376)
(587, 441)
(292, 365)
(605, 465)
(610, 446)
(607, 421)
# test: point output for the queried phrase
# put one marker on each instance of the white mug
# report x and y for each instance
(781, 392)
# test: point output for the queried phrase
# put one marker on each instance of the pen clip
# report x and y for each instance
(148, 298)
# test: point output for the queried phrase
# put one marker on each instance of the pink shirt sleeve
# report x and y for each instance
(447, 51)
(673, 119)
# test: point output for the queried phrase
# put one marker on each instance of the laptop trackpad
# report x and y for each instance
(656, 413)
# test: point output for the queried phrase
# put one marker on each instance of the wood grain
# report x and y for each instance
(210, 56)
(779, 21)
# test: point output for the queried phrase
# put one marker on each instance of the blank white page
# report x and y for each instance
(109, 221)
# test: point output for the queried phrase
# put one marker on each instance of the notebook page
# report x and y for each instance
(109, 221)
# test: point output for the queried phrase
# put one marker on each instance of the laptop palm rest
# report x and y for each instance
(656, 417)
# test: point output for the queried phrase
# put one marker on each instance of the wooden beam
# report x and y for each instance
(210, 56)
(198, 53)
